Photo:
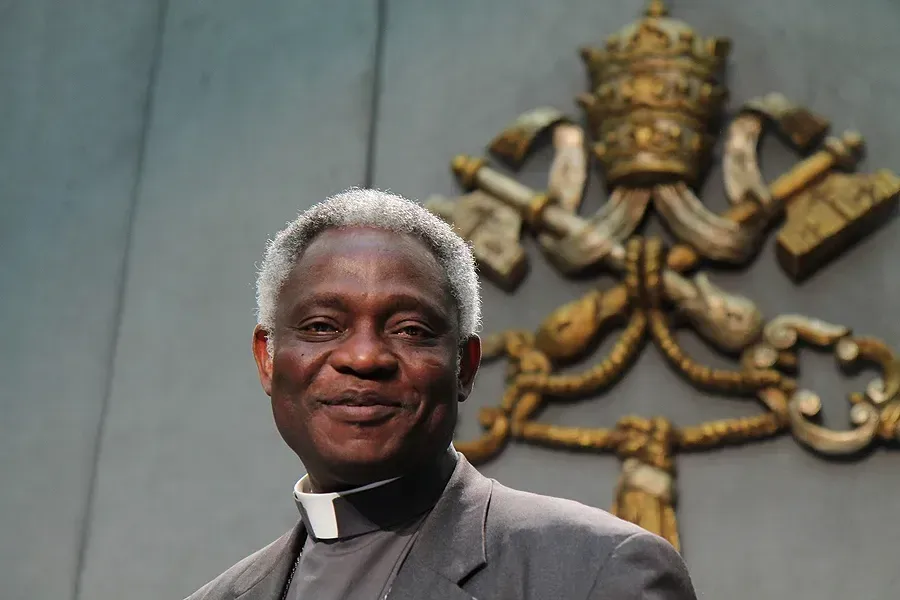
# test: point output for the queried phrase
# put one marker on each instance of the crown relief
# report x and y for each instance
(655, 100)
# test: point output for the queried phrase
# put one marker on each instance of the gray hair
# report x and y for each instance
(357, 207)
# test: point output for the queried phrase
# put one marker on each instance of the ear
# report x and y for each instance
(469, 361)
(263, 360)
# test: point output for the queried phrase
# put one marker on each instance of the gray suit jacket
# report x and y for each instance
(485, 541)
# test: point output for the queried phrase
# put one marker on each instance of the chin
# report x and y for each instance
(357, 456)
(363, 468)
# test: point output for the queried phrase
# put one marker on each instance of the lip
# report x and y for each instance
(361, 414)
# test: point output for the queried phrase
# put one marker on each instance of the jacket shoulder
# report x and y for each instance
(535, 521)
(546, 547)
(221, 587)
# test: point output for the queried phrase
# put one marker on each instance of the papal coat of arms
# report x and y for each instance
(653, 116)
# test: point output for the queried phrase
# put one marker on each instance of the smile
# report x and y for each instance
(361, 407)
(369, 413)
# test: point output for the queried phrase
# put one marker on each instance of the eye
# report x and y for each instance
(318, 328)
(414, 331)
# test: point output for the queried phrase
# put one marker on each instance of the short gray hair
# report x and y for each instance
(357, 207)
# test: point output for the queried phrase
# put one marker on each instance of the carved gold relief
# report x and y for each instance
(832, 215)
(653, 111)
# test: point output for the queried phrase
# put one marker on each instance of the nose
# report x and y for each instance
(364, 354)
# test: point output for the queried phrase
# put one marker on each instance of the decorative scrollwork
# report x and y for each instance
(781, 337)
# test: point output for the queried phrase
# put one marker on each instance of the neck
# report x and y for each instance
(314, 487)
(323, 483)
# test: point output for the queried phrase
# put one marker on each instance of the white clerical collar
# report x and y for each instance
(379, 505)
(320, 514)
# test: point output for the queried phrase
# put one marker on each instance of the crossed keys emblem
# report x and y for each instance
(652, 114)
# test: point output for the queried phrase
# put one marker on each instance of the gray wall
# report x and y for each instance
(149, 149)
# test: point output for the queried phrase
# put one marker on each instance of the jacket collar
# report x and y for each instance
(450, 546)
(452, 540)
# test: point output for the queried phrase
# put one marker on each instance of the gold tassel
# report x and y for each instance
(645, 497)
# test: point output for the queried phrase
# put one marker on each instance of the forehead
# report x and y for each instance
(362, 261)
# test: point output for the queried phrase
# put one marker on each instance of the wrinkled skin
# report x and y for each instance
(367, 370)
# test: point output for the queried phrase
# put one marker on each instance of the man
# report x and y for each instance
(366, 342)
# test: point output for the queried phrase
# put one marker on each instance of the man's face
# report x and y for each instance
(364, 381)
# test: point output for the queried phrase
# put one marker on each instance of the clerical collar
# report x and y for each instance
(379, 505)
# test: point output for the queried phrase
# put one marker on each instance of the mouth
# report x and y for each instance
(361, 409)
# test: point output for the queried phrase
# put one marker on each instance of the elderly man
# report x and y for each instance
(366, 343)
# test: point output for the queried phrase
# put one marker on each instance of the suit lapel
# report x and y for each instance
(451, 544)
(416, 581)
(264, 579)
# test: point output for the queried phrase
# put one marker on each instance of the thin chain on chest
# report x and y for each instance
(290, 577)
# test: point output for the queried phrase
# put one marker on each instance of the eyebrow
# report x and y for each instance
(325, 300)
(401, 302)
(395, 303)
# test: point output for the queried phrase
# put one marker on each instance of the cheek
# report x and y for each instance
(292, 370)
(434, 379)
(292, 375)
